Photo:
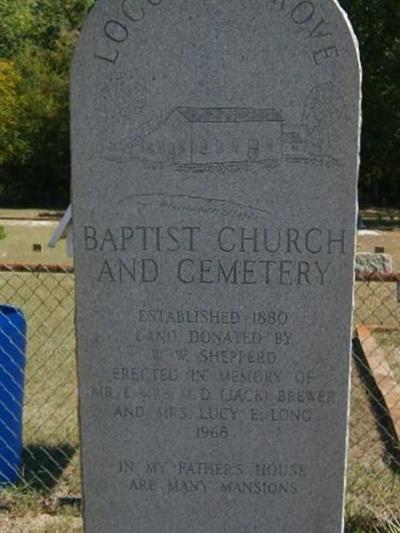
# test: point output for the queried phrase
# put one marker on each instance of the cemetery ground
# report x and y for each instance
(24, 229)
(50, 418)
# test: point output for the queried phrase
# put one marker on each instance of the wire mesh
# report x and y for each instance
(373, 484)
(50, 458)
(50, 429)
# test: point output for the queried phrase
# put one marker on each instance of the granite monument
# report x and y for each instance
(215, 152)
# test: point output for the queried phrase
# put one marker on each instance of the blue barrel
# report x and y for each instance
(12, 372)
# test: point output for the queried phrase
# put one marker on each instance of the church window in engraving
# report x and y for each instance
(219, 146)
(269, 146)
(204, 147)
(254, 150)
(293, 140)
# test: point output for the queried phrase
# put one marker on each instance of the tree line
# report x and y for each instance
(37, 38)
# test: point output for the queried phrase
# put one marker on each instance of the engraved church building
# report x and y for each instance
(192, 135)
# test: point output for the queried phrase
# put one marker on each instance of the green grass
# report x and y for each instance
(47, 519)
(17, 247)
(374, 491)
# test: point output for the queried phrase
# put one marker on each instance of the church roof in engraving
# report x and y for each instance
(229, 114)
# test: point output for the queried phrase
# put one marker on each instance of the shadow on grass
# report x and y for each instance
(44, 465)
(382, 225)
(360, 524)
(383, 419)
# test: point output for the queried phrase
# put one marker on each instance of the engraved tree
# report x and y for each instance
(320, 119)
(121, 95)
(119, 99)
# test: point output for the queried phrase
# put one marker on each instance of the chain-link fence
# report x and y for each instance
(374, 451)
(50, 466)
(50, 429)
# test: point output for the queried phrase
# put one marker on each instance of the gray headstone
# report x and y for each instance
(373, 262)
(215, 158)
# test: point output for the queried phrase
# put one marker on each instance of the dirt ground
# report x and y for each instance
(42, 523)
